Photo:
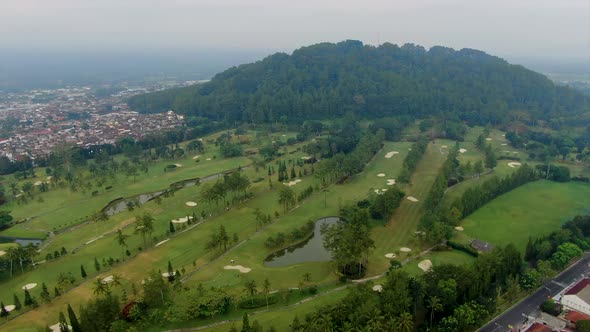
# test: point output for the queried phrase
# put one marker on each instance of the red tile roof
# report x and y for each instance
(574, 316)
(538, 327)
(578, 287)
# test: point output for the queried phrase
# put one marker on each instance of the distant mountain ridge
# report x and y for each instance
(327, 80)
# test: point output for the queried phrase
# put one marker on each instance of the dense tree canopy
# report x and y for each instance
(327, 80)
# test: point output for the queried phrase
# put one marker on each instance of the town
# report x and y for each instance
(35, 122)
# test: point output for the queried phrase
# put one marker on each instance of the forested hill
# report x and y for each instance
(328, 80)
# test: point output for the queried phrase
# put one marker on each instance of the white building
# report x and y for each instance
(578, 297)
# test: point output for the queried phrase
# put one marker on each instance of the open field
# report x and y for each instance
(534, 209)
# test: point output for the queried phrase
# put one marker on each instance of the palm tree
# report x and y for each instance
(286, 197)
(146, 225)
(30, 251)
(405, 322)
(435, 305)
(266, 290)
(116, 280)
(122, 240)
(99, 287)
(250, 287)
(12, 254)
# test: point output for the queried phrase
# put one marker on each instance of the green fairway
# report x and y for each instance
(534, 209)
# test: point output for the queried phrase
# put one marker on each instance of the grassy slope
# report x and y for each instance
(534, 209)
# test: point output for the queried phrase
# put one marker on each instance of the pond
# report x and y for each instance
(311, 250)
(120, 205)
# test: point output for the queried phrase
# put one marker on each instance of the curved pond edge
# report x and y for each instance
(297, 245)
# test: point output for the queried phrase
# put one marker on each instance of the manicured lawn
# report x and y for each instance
(534, 209)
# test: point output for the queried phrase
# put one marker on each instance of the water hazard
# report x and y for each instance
(311, 250)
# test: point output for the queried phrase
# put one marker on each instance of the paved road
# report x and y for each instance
(528, 306)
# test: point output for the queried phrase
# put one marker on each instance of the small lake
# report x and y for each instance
(311, 250)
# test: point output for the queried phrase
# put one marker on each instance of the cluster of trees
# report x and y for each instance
(327, 80)
(349, 241)
(561, 246)
(448, 298)
(382, 205)
(280, 239)
(234, 183)
(392, 126)
(341, 166)
(18, 259)
(545, 146)
(412, 158)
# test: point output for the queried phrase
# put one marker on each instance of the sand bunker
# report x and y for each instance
(9, 307)
(208, 159)
(49, 178)
(459, 228)
(108, 280)
(161, 242)
(166, 274)
(38, 183)
(292, 183)
(412, 199)
(381, 175)
(380, 191)
(390, 255)
(57, 328)
(488, 139)
(391, 154)
(29, 286)
(190, 204)
(181, 220)
(2, 253)
(514, 164)
(178, 165)
(425, 265)
(405, 249)
(378, 288)
(390, 182)
(240, 268)
(462, 150)
(504, 144)
(196, 157)
(444, 146)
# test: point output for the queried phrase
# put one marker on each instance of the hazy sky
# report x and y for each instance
(558, 28)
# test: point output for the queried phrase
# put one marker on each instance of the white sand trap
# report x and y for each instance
(462, 150)
(181, 220)
(390, 255)
(504, 144)
(390, 182)
(196, 157)
(488, 139)
(283, 135)
(190, 204)
(514, 164)
(378, 288)
(166, 274)
(2, 253)
(240, 268)
(56, 328)
(49, 178)
(208, 159)
(292, 183)
(405, 249)
(178, 165)
(161, 242)
(425, 265)
(29, 286)
(306, 158)
(108, 280)
(9, 307)
(381, 175)
(444, 146)
(412, 199)
(38, 183)
(391, 154)
(459, 228)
